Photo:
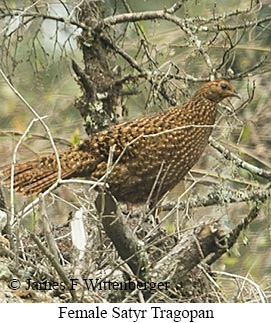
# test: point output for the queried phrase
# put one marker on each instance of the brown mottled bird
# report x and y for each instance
(150, 156)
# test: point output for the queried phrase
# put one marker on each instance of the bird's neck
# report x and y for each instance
(200, 110)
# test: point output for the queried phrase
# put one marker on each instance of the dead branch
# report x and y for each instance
(129, 247)
(51, 257)
(215, 197)
(231, 238)
(196, 245)
(227, 154)
(193, 247)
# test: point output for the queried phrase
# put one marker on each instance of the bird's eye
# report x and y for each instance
(223, 86)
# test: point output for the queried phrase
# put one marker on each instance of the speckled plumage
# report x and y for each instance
(150, 155)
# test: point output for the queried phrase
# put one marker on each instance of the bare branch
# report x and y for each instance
(51, 257)
(231, 238)
(129, 247)
(217, 198)
(238, 161)
(195, 246)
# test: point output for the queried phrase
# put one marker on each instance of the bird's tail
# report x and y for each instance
(37, 175)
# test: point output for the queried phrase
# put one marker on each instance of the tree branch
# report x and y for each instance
(193, 247)
(196, 245)
(232, 237)
(129, 247)
(238, 161)
(217, 198)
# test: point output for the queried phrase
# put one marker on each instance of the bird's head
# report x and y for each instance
(218, 90)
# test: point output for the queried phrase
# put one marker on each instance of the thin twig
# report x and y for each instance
(39, 118)
(13, 167)
(260, 292)
(51, 257)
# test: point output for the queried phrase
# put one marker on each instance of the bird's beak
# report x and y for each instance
(236, 94)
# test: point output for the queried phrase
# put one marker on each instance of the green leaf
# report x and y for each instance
(75, 138)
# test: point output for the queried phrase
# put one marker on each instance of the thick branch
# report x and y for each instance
(195, 246)
(129, 247)
(232, 237)
(144, 15)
